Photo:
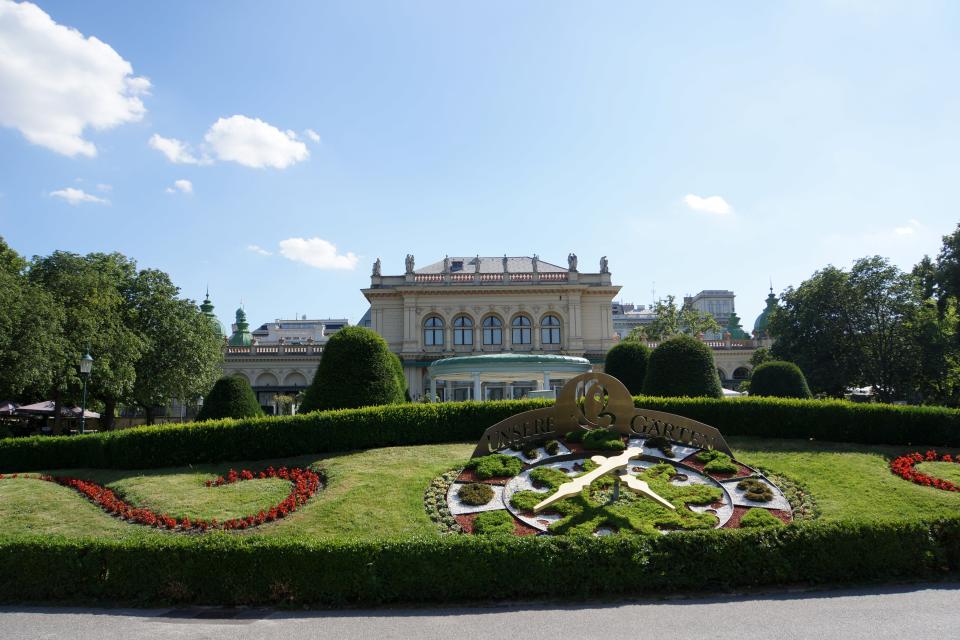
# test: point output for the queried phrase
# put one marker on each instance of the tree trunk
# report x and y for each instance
(106, 418)
(148, 415)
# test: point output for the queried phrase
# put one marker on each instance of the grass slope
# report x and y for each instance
(379, 493)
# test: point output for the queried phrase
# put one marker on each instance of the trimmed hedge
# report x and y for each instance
(627, 362)
(682, 366)
(412, 424)
(249, 570)
(357, 370)
(780, 379)
(230, 397)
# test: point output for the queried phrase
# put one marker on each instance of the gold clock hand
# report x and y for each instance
(575, 486)
(637, 485)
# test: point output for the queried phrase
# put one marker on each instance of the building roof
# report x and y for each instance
(491, 264)
(763, 320)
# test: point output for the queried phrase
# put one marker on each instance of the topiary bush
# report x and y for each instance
(495, 465)
(760, 518)
(475, 493)
(231, 397)
(717, 462)
(779, 379)
(756, 490)
(682, 366)
(357, 370)
(627, 362)
(493, 523)
(603, 440)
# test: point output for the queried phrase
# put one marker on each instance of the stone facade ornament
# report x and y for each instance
(572, 262)
(446, 264)
(604, 265)
(409, 262)
(376, 268)
(504, 263)
(536, 259)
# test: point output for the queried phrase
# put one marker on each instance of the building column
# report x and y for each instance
(433, 389)
(508, 391)
(476, 387)
(544, 383)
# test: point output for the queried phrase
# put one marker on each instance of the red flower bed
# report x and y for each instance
(304, 483)
(904, 467)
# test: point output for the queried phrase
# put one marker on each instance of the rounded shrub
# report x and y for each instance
(475, 493)
(682, 366)
(357, 370)
(231, 397)
(779, 379)
(627, 362)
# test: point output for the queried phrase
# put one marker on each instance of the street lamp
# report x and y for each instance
(86, 366)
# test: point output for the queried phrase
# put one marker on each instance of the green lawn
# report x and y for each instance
(943, 470)
(379, 493)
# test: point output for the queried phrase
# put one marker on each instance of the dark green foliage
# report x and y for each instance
(231, 397)
(574, 436)
(779, 379)
(357, 370)
(660, 442)
(283, 436)
(760, 518)
(530, 454)
(489, 523)
(552, 447)
(756, 490)
(603, 440)
(717, 462)
(475, 493)
(496, 465)
(682, 366)
(627, 362)
(255, 570)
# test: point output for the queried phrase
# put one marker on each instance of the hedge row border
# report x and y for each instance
(417, 424)
(239, 570)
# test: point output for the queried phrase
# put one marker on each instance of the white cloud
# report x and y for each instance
(181, 186)
(56, 83)
(908, 230)
(313, 135)
(316, 252)
(177, 152)
(712, 204)
(258, 250)
(76, 196)
(254, 143)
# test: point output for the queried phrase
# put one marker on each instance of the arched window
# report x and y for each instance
(492, 330)
(741, 373)
(433, 332)
(521, 330)
(550, 330)
(462, 330)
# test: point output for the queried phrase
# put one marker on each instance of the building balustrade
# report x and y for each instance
(272, 350)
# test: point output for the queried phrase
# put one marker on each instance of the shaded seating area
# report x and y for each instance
(39, 417)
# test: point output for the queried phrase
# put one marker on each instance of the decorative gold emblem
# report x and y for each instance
(592, 401)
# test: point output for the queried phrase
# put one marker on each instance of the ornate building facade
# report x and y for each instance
(479, 305)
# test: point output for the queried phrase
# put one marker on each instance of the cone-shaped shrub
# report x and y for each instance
(627, 362)
(357, 370)
(682, 366)
(779, 379)
(231, 397)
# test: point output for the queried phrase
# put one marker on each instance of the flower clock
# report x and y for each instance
(906, 467)
(303, 484)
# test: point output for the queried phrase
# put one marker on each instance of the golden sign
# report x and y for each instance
(592, 401)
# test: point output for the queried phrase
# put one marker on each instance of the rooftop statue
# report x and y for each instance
(409, 262)
(604, 265)
(376, 268)
(572, 262)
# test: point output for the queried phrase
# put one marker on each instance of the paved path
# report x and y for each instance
(908, 611)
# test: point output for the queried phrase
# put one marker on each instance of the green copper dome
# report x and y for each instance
(241, 334)
(734, 329)
(763, 320)
(207, 309)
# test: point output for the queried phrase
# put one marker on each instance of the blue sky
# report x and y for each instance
(698, 145)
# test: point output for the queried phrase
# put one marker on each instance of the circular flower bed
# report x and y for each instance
(904, 467)
(304, 483)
